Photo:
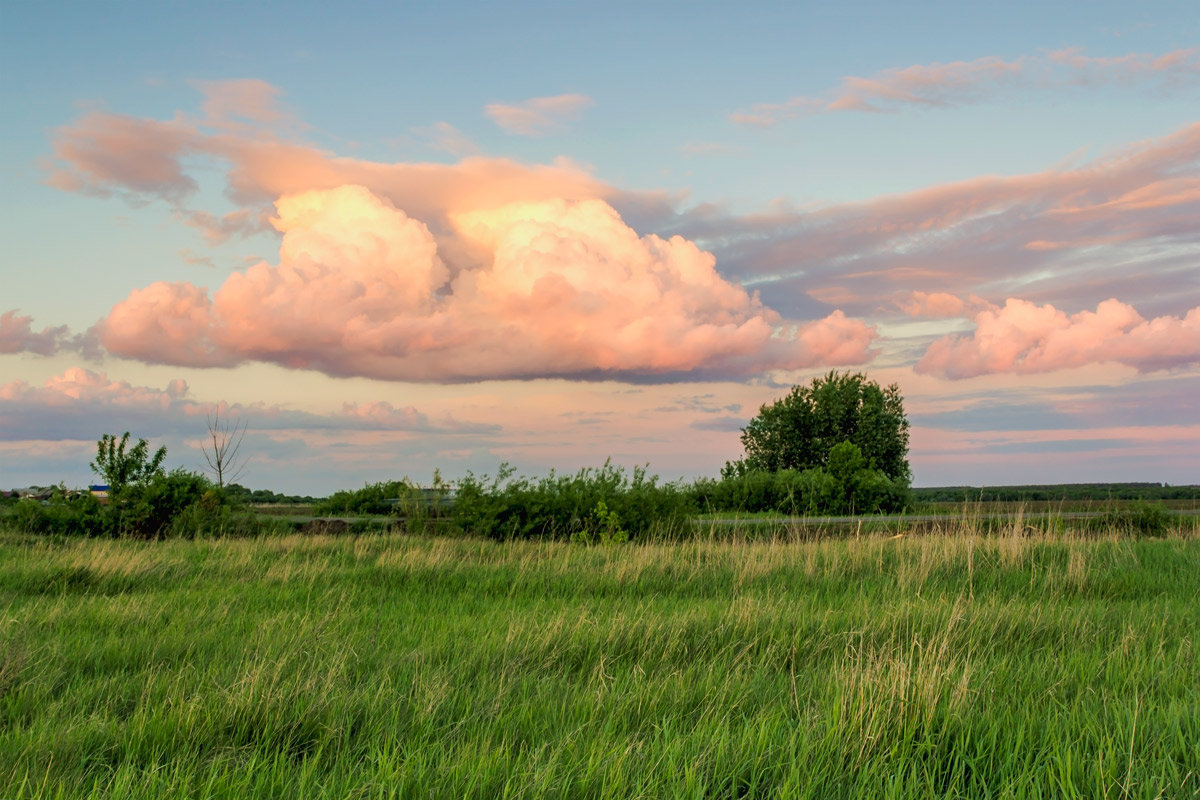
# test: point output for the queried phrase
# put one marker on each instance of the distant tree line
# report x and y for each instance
(261, 497)
(835, 446)
(1055, 492)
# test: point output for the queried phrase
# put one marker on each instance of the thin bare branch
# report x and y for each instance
(221, 450)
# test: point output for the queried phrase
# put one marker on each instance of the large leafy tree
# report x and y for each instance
(801, 430)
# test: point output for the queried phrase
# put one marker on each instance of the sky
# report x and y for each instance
(394, 238)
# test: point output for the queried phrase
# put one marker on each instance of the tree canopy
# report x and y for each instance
(119, 467)
(801, 430)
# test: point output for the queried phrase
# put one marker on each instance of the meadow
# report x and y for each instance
(952, 664)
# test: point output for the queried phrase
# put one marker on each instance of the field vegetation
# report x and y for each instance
(602, 633)
(962, 663)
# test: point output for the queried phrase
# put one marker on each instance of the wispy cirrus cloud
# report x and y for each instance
(445, 137)
(1120, 225)
(955, 83)
(538, 116)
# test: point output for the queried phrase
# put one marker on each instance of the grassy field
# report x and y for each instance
(952, 665)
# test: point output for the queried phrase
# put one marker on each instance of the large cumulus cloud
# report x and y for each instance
(556, 288)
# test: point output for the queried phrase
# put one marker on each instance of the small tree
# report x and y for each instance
(222, 446)
(121, 468)
(801, 430)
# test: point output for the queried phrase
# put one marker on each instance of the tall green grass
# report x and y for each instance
(955, 665)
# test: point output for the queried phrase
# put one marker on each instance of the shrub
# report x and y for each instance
(847, 486)
(202, 520)
(1138, 519)
(177, 503)
(64, 514)
(147, 511)
(373, 498)
(592, 504)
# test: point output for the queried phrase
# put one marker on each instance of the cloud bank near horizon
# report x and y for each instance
(79, 403)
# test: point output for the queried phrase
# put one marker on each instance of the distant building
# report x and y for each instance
(99, 492)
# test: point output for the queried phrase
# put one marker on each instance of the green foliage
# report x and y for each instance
(973, 666)
(800, 431)
(602, 527)
(374, 498)
(1138, 519)
(590, 503)
(215, 520)
(144, 502)
(836, 446)
(848, 484)
(65, 514)
(119, 467)
(1055, 493)
(236, 493)
(403, 498)
(149, 511)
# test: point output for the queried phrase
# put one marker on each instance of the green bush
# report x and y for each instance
(594, 504)
(373, 498)
(169, 504)
(147, 511)
(206, 521)
(1138, 519)
(847, 485)
(64, 514)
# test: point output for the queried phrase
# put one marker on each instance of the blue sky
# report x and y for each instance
(992, 206)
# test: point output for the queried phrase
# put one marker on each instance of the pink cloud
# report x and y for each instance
(80, 403)
(102, 152)
(560, 288)
(363, 287)
(449, 139)
(232, 103)
(1023, 337)
(85, 388)
(241, 130)
(538, 115)
(17, 336)
(963, 82)
(924, 84)
(940, 305)
(986, 235)
(1085, 69)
